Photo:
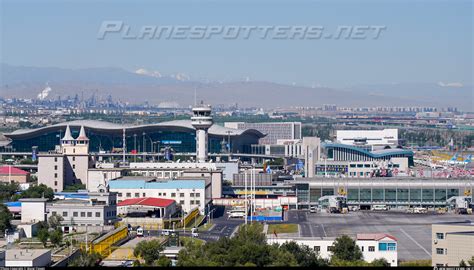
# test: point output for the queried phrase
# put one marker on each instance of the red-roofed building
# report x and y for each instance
(147, 207)
(11, 174)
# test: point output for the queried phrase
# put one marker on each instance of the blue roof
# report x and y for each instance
(143, 184)
(13, 204)
(72, 195)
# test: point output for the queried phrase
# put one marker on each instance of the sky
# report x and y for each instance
(424, 41)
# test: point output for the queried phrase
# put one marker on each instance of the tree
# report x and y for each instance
(305, 256)
(86, 260)
(163, 261)
(5, 218)
(56, 237)
(345, 248)
(43, 236)
(382, 262)
(37, 191)
(247, 248)
(462, 263)
(74, 187)
(54, 222)
(148, 251)
(471, 261)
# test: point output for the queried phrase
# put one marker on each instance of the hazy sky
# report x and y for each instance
(425, 41)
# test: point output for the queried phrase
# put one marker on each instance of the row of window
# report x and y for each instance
(382, 247)
(441, 251)
(173, 195)
(86, 214)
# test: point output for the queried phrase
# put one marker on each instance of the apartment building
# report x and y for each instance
(451, 243)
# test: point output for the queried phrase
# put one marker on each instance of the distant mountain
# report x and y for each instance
(152, 86)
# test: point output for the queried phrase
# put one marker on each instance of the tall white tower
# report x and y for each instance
(201, 121)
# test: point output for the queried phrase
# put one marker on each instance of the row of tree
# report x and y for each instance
(11, 192)
(249, 247)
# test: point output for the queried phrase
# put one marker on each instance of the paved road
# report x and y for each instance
(223, 227)
(413, 231)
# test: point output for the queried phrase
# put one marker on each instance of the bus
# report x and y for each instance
(237, 213)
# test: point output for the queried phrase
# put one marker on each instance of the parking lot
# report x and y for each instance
(413, 231)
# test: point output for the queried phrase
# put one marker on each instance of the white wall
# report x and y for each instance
(374, 137)
(324, 244)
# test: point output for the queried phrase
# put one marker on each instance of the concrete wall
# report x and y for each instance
(51, 171)
(32, 212)
(451, 245)
(18, 178)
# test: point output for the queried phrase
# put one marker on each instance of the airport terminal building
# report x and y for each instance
(180, 135)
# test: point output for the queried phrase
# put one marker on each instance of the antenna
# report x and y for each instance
(195, 96)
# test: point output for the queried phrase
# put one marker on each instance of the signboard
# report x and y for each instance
(171, 142)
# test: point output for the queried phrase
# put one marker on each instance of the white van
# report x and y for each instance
(379, 207)
(166, 232)
(139, 232)
(420, 210)
(194, 232)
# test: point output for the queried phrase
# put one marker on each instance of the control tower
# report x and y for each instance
(201, 121)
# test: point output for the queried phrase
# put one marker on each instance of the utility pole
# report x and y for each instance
(124, 146)
(245, 197)
(135, 147)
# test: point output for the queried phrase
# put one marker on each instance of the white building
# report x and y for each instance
(189, 194)
(68, 164)
(273, 130)
(372, 138)
(373, 246)
(95, 210)
(28, 257)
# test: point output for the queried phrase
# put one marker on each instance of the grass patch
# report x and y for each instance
(205, 227)
(282, 228)
(415, 263)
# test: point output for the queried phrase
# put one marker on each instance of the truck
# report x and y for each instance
(333, 203)
(462, 204)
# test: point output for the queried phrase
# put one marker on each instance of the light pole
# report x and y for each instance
(135, 147)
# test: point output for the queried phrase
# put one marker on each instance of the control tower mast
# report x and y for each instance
(201, 121)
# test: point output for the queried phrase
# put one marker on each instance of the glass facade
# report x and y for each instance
(149, 139)
(380, 195)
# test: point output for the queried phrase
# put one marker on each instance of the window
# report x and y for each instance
(329, 248)
(73, 158)
(164, 194)
(55, 159)
(55, 183)
(173, 194)
(74, 214)
(317, 248)
(181, 202)
(198, 194)
(53, 213)
(362, 248)
(439, 251)
(64, 214)
(144, 195)
(137, 195)
(55, 167)
(89, 214)
(387, 246)
(440, 236)
(191, 194)
(191, 202)
(74, 166)
(371, 248)
(119, 194)
(159, 194)
(55, 175)
(97, 214)
(181, 195)
(129, 194)
(83, 214)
